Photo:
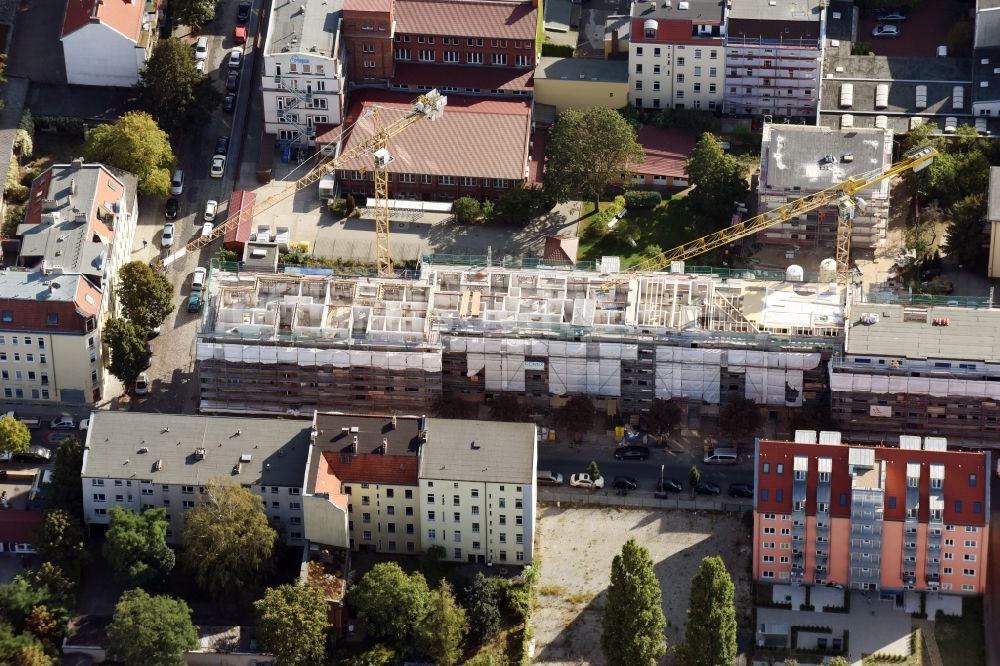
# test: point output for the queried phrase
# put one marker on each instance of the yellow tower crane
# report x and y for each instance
(843, 194)
(428, 106)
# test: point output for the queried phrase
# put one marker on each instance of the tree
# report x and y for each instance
(920, 235)
(593, 471)
(60, 540)
(663, 416)
(192, 12)
(378, 655)
(965, 231)
(741, 417)
(31, 655)
(14, 436)
(227, 543)
(719, 179)
(129, 353)
(172, 90)
(506, 407)
(694, 476)
(21, 649)
(586, 151)
(576, 416)
(483, 604)
(136, 144)
(389, 602)
(465, 210)
(151, 631)
(49, 580)
(452, 406)
(518, 205)
(146, 297)
(47, 625)
(633, 617)
(65, 491)
(440, 633)
(710, 632)
(291, 624)
(136, 545)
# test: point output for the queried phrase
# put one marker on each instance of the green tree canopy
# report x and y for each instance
(60, 540)
(146, 297)
(710, 632)
(21, 649)
(593, 471)
(633, 617)
(465, 210)
(965, 231)
(440, 633)
(586, 151)
(506, 407)
(718, 177)
(136, 144)
(389, 602)
(483, 604)
(136, 545)
(65, 491)
(129, 354)
(14, 435)
(694, 476)
(291, 624)
(192, 12)
(151, 631)
(576, 416)
(172, 90)
(740, 418)
(663, 416)
(227, 542)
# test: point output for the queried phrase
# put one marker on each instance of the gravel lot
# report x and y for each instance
(577, 545)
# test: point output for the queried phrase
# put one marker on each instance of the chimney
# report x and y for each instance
(394, 422)
(385, 446)
(72, 185)
(77, 163)
(354, 444)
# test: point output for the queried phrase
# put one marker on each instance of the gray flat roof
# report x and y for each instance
(893, 67)
(902, 98)
(459, 450)
(971, 334)
(115, 443)
(780, 10)
(309, 26)
(696, 10)
(582, 69)
(34, 286)
(988, 26)
(840, 26)
(791, 154)
(993, 199)
(986, 68)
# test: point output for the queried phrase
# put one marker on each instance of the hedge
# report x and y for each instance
(551, 50)
(642, 199)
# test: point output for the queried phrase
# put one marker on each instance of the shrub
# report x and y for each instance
(642, 199)
(73, 126)
(465, 210)
(349, 203)
(861, 48)
(551, 50)
(14, 217)
(338, 207)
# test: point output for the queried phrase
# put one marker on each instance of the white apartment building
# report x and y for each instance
(676, 55)
(774, 54)
(302, 80)
(146, 461)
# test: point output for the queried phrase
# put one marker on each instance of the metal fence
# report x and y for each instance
(890, 298)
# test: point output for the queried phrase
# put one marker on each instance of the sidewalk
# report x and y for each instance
(644, 499)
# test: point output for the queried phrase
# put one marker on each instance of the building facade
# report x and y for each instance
(581, 83)
(676, 55)
(774, 55)
(881, 518)
(107, 42)
(142, 461)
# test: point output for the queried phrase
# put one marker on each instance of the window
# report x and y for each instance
(638, 68)
(638, 86)
(369, 64)
(402, 54)
(697, 71)
(409, 511)
(502, 503)
(430, 516)
(779, 495)
(409, 178)
(366, 517)
(524, 61)
(972, 480)
(475, 527)
(187, 490)
(968, 572)
(969, 557)
(432, 534)
(656, 85)
(843, 499)
(451, 56)
(8, 316)
(390, 510)
(680, 78)
(296, 506)
(697, 87)
(408, 494)
(475, 511)
(458, 536)
(430, 499)
(977, 507)
(503, 519)
(519, 538)
(970, 543)
(680, 62)
(499, 58)
(446, 180)
(474, 58)
(188, 504)
(768, 530)
(366, 535)
(697, 54)
(99, 497)
(638, 50)
(458, 553)
(409, 528)
(958, 506)
(426, 55)
(765, 468)
(518, 504)
(713, 72)
(426, 179)
(468, 181)
(763, 494)
(457, 517)
(503, 537)
(365, 500)
(368, 48)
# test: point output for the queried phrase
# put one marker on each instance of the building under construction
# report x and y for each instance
(281, 343)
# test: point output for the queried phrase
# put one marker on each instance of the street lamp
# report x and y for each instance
(661, 477)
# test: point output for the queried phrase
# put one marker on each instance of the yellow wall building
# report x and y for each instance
(576, 83)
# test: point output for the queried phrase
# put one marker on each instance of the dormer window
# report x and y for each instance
(649, 28)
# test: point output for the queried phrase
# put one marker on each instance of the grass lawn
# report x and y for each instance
(960, 639)
(668, 225)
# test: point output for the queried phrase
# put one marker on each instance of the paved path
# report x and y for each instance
(927, 630)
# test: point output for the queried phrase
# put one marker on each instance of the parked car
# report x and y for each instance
(170, 210)
(669, 486)
(236, 58)
(546, 478)
(885, 32)
(218, 166)
(222, 145)
(584, 481)
(63, 422)
(201, 49)
(632, 453)
(233, 81)
(199, 66)
(890, 15)
(624, 483)
(243, 12)
(39, 453)
(149, 357)
(194, 301)
(198, 278)
(168, 234)
(211, 208)
(741, 490)
(240, 34)
(142, 384)
(177, 182)
(707, 488)
(229, 103)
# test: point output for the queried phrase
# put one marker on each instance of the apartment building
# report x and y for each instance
(403, 484)
(797, 160)
(303, 76)
(919, 369)
(107, 42)
(77, 232)
(913, 517)
(677, 55)
(143, 461)
(774, 53)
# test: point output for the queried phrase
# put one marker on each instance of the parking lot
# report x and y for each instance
(925, 28)
(576, 546)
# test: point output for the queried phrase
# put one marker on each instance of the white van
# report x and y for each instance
(720, 457)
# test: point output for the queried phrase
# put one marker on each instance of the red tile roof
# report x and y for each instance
(561, 248)
(467, 18)
(384, 6)
(536, 165)
(19, 526)
(479, 138)
(458, 76)
(670, 31)
(373, 468)
(239, 233)
(666, 151)
(123, 16)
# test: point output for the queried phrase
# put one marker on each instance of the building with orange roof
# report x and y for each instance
(107, 42)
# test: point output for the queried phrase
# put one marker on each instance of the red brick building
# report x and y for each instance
(367, 32)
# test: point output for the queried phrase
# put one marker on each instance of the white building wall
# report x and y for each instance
(96, 55)
(120, 252)
(766, 79)
(702, 69)
(284, 73)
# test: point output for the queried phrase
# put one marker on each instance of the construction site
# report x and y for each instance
(289, 344)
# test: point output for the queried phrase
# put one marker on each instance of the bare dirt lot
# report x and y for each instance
(576, 546)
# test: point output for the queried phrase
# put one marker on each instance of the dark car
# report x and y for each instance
(194, 301)
(624, 483)
(229, 103)
(233, 81)
(37, 452)
(707, 488)
(243, 13)
(632, 453)
(669, 486)
(149, 358)
(740, 490)
(222, 145)
(170, 210)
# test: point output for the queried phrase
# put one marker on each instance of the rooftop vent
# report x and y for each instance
(245, 458)
(199, 454)
(158, 465)
(143, 449)
(683, 5)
